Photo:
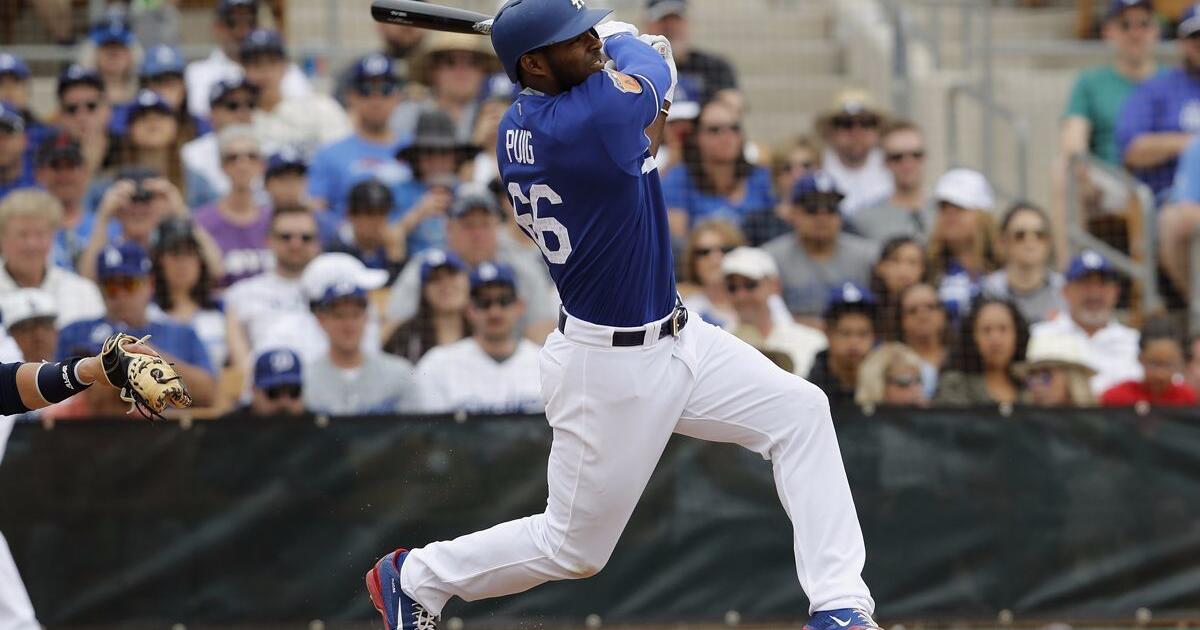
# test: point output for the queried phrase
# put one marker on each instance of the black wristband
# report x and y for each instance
(57, 381)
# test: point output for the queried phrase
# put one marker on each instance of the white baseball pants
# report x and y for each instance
(16, 612)
(612, 411)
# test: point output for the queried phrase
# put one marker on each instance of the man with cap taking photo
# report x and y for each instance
(850, 327)
(278, 386)
(306, 121)
(16, 167)
(234, 20)
(710, 74)
(366, 234)
(124, 277)
(374, 93)
(494, 370)
(751, 278)
(818, 256)
(348, 380)
(1110, 348)
(1162, 115)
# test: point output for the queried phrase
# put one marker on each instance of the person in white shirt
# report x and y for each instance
(492, 371)
(233, 102)
(303, 122)
(350, 379)
(852, 155)
(752, 278)
(1110, 348)
(234, 21)
(28, 220)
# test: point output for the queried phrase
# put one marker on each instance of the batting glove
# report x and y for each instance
(608, 29)
(662, 46)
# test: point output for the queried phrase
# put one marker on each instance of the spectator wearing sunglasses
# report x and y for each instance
(369, 152)
(890, 375)
(962, 245)
(818, 256)
(494, 370)
(907, 212)
(751, 280)
(62, 173)
(1027, 278)
(124, 274)
(234, 20)
(162, 73)
(239, 221)
(993, 340)
(350, 378)
(84, 112)
(233, 102)
(850, 131)
(455, 67)
(16, 166)
(850, 330)
(715, 180)
(1056, 373)
(278, 386)
(702, 284)
(1162, 115)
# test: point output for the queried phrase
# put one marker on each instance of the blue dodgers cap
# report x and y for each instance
(1117, 7)
(224, 87)
(11, 64)
(127, 259)
(285, 160)
(113, 30)
(162, 60)
(524, 25)
(659, 9)
(814, 184)
(849, 297)
(492, 273)
(225, 6)
(148, 100)
(1189, 22)
(1090, 262)
(435, 259)
(262, 42)
(75, 74)
(273, 368)
(374, 66)
(11, 118)
(473, 198)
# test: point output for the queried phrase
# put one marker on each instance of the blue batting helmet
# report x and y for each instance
(524, 25)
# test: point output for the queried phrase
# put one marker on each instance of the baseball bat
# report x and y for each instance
(431, 16)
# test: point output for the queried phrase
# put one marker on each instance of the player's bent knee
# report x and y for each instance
(577, 566)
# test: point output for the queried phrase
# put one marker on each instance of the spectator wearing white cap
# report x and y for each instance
(1108, 347)
(29, 316)
(850, 130)
(492, 371)
(28, 220)
(962, 245)
(751, 278)
(348, 379)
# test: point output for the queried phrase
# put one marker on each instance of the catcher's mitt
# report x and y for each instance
(147, 382)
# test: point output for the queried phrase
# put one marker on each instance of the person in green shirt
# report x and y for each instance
(1090, 119)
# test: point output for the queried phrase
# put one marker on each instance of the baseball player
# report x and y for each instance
(626, 367)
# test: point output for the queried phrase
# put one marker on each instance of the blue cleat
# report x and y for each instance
(399, 611)
(841, 619)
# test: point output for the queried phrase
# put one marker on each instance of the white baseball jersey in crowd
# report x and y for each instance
(462, 377)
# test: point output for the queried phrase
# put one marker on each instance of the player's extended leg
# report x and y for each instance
(16, 613)
(612, 411)
(743, 398)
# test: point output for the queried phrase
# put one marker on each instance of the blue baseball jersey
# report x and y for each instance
(1166, 103)
(585, 188)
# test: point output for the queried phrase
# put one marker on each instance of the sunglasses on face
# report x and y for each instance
(1020, 235)
(371, 89)
(303, 237)
(75, 108)
(1040, 377)
(236, 106)
(717, 129)
(234, 156)
(734, 286)
(899, 156)
(64, 164)
(282, 391)
(903, 381)
(704, 252)
(484, 303)
(817, 209)
(850, 122)
(1134, 25)
(122, 284)
(806, 165)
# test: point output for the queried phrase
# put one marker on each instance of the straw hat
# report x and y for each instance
(421, 67)
(1053, 351)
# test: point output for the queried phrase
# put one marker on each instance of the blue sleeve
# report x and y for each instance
(1137, 118)
(1187, 175)
(193, 349)
(320, 177)
(638, 59)
(759, 195)
(71, 342)
(675, 185)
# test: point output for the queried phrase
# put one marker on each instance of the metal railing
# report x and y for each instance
(1144, 271)
(991, 112)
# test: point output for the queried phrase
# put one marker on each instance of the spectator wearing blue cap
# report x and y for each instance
(818, 256)
(441, 313)
(114, 53)
(14, 90)
(278, 385)
(495, 370)
(715, 180)
(84, 112)
(400, 44)
(373, 95)
(473, 234)
(16, 167)
(366, 234)
(233, 21)
(348, 380)
(124, 274)
(162, 72)
(232, 103)
(1162, 115)
(305, 122)
(850, 329)
(1109, 347)
(61, 171)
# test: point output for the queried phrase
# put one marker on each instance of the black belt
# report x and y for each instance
(629, 338)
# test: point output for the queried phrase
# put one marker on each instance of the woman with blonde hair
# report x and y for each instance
(962, 247)
(890, 375)
(702, 283)
(1055, 373)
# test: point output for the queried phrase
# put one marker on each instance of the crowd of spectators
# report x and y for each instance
(293, 251)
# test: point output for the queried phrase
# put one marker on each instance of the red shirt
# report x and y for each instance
(1130, 393)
